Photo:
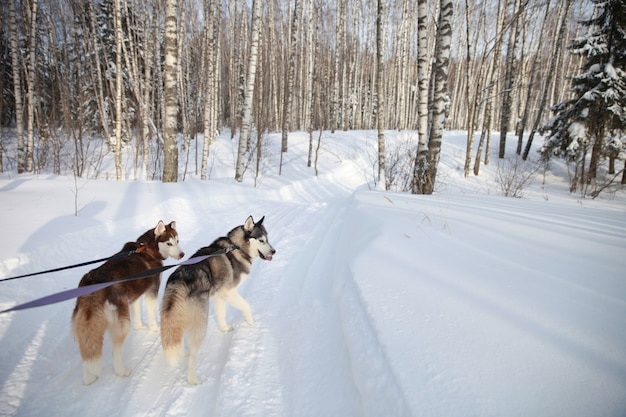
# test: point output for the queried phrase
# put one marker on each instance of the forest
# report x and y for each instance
(161, 75)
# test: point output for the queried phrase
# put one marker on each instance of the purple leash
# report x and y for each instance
(88, 289)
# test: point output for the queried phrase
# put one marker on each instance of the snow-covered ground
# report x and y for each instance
(463, 303)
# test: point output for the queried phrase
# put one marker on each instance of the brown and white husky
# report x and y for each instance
(108, 308)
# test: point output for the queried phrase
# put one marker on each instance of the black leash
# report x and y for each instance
(88, 289)
(117, 255)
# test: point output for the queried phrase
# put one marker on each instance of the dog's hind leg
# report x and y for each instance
(195, 337)
(119, 327)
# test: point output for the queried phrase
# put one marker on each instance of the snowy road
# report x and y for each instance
(376, 303)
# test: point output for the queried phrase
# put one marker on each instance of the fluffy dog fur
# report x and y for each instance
(185, 304)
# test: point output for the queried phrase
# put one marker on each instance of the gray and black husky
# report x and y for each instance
(185, 303)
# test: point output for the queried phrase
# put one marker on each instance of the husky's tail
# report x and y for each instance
(88, 327)
(173, 322)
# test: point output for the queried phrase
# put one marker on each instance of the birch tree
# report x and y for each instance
(440, 98)
(402, 68)
(492, 77)
(289, 87)
(470, 108)
(3, 59)
(32, 71)
(340, 46)
(380, 66)
(509, 77)
(249, 94)
(421, 161)
(238, 28)
(211, 10)
(17, 87)
(310, 68)
(98, 81)
(313, 21)
(170, 148)
(563, 13)
(531, 75)
(183, 81)
(118, 89)
(146, 111)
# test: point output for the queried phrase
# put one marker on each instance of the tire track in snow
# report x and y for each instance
(373, 376)
(313, 360)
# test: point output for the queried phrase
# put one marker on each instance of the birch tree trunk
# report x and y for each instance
(146, 112)
(249, 95)
(287, 104)
(421, 161)
(492, 77)
(336, 105)
(135, 58)
(565, 7)
(32, 71)
(440, 74)
(533, 70)
(208, 93)
(311, 75)
(118, 89)
(344, 100)
(210, 124)
(380, 67)
(217, 79)
(17, 88)
(509, 78)
(170, 148)
(234, 69)
(470, 109)
(182, 80)
(3, 59)
(98, 82)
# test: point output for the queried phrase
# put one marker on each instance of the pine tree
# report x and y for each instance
(594, 119)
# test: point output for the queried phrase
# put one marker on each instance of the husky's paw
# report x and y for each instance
(123, 372)
(249, 322)
(226, 329)
(155, 328)
(140, 326)
(91, 370)
(89, 379)
(173, 354)
(193, 380)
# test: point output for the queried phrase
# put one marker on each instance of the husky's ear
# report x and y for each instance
(173, 225)
(160, 228)
(260, 222)
(249, 224)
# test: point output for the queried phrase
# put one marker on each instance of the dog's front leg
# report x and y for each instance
(151, 311)
(137, 321)
(235, 299)
(219, 305)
